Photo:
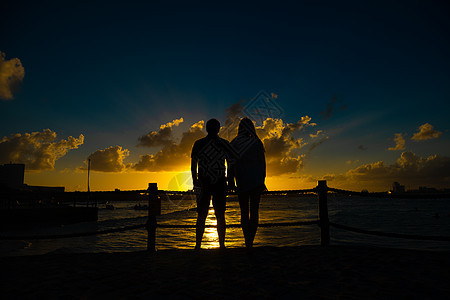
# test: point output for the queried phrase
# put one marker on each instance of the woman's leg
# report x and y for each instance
(244, 205)
(255, 197)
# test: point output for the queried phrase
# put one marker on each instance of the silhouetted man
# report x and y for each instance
(209, 154)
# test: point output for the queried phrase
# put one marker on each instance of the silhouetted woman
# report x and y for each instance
(249, 170)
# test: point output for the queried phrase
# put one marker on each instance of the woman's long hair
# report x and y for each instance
(247, 128)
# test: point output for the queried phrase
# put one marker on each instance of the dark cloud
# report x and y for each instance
(281, 144)
(161, 138)
(282, 155)
(278, 138)
(362, 147)
(399, 142)
(109, 159)
(316, 144)
(408, 169)
(173, 155)
(331, 108)
(11, 75)
(317, 134)
(37, 150)
(234, 114)
(426, 132)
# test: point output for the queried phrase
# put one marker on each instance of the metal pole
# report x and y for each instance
(89, 189)
(324, 222)
(154, 209)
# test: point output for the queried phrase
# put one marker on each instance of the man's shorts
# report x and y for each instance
(217, 191)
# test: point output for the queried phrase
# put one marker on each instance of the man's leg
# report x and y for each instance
(219, 203)
(221, 227)
(200, 227)
(202, 212)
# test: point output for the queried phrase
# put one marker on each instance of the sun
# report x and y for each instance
(180, 182)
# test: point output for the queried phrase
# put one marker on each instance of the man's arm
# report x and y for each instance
(194, 163)
(231, 156)
(231, 172)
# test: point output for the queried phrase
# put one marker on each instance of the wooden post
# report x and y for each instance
(154, 209)
(324, 222)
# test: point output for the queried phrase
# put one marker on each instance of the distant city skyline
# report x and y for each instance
(356, 93)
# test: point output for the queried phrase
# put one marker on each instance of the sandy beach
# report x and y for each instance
(336, 272)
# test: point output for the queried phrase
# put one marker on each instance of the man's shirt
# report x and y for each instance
(211, 153)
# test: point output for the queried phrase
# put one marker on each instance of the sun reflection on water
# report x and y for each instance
(233, 236)
(210, 237)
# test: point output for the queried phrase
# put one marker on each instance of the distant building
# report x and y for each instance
(424, 189)
(11, 176)
(398, 188)
(52, 189)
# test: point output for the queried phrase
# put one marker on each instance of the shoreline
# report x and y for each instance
(332, 272)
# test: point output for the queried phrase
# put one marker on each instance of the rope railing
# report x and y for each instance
(230, 193)
(154, 209)
(144, 225)
(279, 224)
(72, 235)
(339, 191)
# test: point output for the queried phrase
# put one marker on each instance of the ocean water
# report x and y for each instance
(408, 216)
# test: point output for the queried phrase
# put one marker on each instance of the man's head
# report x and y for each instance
(212, 127)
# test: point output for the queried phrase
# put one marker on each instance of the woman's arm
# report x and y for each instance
(262, 158)
(231, 171)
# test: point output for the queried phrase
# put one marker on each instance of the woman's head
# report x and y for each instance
(247, 128)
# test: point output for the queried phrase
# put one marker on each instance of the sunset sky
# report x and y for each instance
(358, 91)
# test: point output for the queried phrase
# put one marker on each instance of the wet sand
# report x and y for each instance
(311, 272)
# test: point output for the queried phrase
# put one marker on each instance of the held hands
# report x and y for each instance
(231, 186)
(196, 183)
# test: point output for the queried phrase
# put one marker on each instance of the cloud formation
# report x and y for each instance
(37, 150)
(316, 144)
(426, 132)
(109, 159)
(399, 142)
(319, 132)
(362, 147)
(408, 169)
(331, 108)
(234, 114)
(282, 148)
(173, 155)
(11, 75)
(280, 141)
(163, 137)
(349, 162)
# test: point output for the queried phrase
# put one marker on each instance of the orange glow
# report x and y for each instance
(76, 181)
(176, 181)
(288, 183)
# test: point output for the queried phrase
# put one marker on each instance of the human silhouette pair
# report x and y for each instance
(245, 174)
